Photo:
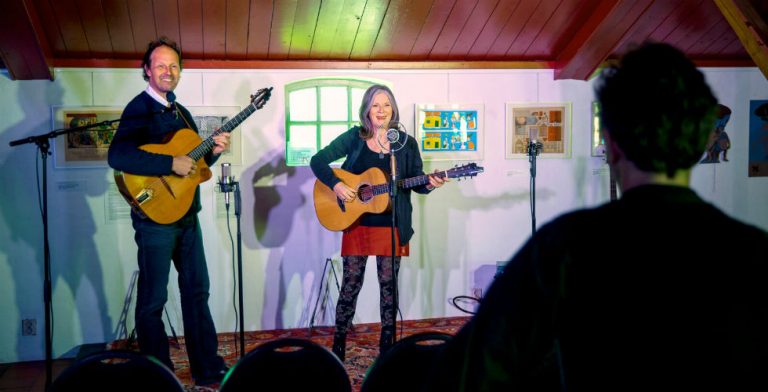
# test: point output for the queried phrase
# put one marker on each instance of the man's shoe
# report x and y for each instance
(211, 379)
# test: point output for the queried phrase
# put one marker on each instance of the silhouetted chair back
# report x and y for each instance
(406, 366)
(117, 371)
(288, 364)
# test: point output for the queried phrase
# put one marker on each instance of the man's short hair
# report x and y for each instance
(162, 41)
(658, 108)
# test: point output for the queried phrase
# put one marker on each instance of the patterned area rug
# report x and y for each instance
(362, 345)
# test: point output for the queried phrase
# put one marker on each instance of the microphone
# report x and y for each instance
(535, 147)
(225, 182)
(393, 135)
(171, 98)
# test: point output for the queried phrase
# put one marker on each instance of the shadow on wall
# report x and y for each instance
(74, 258)
(448, 226)
(284, 222)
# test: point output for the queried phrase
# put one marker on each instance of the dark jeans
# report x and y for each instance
(181, 242)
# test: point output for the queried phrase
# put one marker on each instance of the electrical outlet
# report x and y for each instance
(477, 292)
(28, 327)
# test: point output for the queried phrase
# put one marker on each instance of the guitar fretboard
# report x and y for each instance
(207, 145)
(407, 183)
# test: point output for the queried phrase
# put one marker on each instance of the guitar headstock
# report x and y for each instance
(464, 171)
(261, 97)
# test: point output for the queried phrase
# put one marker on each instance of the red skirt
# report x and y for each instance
(371, 240)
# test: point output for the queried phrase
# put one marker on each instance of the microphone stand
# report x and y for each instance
(234, 186)
(393, 199)
(238, 209)
(534, 148)
(44, 146)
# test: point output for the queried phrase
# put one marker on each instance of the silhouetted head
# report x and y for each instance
(657, 107)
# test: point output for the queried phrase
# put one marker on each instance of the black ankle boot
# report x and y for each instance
(340, 345)
(385, 341)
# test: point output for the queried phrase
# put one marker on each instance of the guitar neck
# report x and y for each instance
(207, 145)
(406, 183)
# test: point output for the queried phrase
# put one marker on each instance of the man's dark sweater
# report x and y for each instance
(147, 121)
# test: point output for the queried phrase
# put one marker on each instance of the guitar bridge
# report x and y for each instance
(143, 196)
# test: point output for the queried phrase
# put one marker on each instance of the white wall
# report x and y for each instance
(462, 230)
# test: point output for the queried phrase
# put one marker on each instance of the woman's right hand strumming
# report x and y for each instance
(344, 193)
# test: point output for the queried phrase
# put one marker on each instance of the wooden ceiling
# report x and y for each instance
(573, 37)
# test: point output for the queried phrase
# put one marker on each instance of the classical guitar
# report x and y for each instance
(165, 199)
(372, 194)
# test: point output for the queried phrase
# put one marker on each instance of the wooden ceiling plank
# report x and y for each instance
(566, 19)
(119, 29)
(238, 18)
(674, 18)
(400, 29)
(476, 22)
(750, 27)
(167, 19)
(706, 40)
(430, 29)
(95, 26)
(23, 45)
(532, 29)
(646, 24)
(304, 27)
(511, 30)
(142, 18)
(370, 23)
(346, 30)
(457, 19)
(48, 23)
(283, 15)
(71, 27)
(214, 29)
(734, 49)
(259, 25)
(191, 29)
(407, 30)
(600, 35)
(492, 28)
(328, 18)
(698, 21)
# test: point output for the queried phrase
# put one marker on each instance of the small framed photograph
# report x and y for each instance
(86, 148)
(450, 131)
(210, 118)
(548, 123)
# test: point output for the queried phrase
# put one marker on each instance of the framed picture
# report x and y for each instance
(87, 148)
(548, 123)
(758, 138)
(450, 131)
(598, 141)
(210, 118)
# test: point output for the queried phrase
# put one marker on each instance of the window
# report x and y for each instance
(317, 111)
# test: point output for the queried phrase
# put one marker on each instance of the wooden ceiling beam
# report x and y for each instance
(750, 26)
(598, 37)
(23, 46)
(310, 64)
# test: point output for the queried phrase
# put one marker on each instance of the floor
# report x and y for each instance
(28, 376)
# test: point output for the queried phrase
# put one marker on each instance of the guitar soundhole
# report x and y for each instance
(364, 193)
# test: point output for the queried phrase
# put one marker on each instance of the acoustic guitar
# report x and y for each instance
(372, 188)
(165, 199)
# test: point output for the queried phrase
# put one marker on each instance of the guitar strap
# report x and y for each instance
(180, 113)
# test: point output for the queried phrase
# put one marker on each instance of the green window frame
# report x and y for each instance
(307, 130)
